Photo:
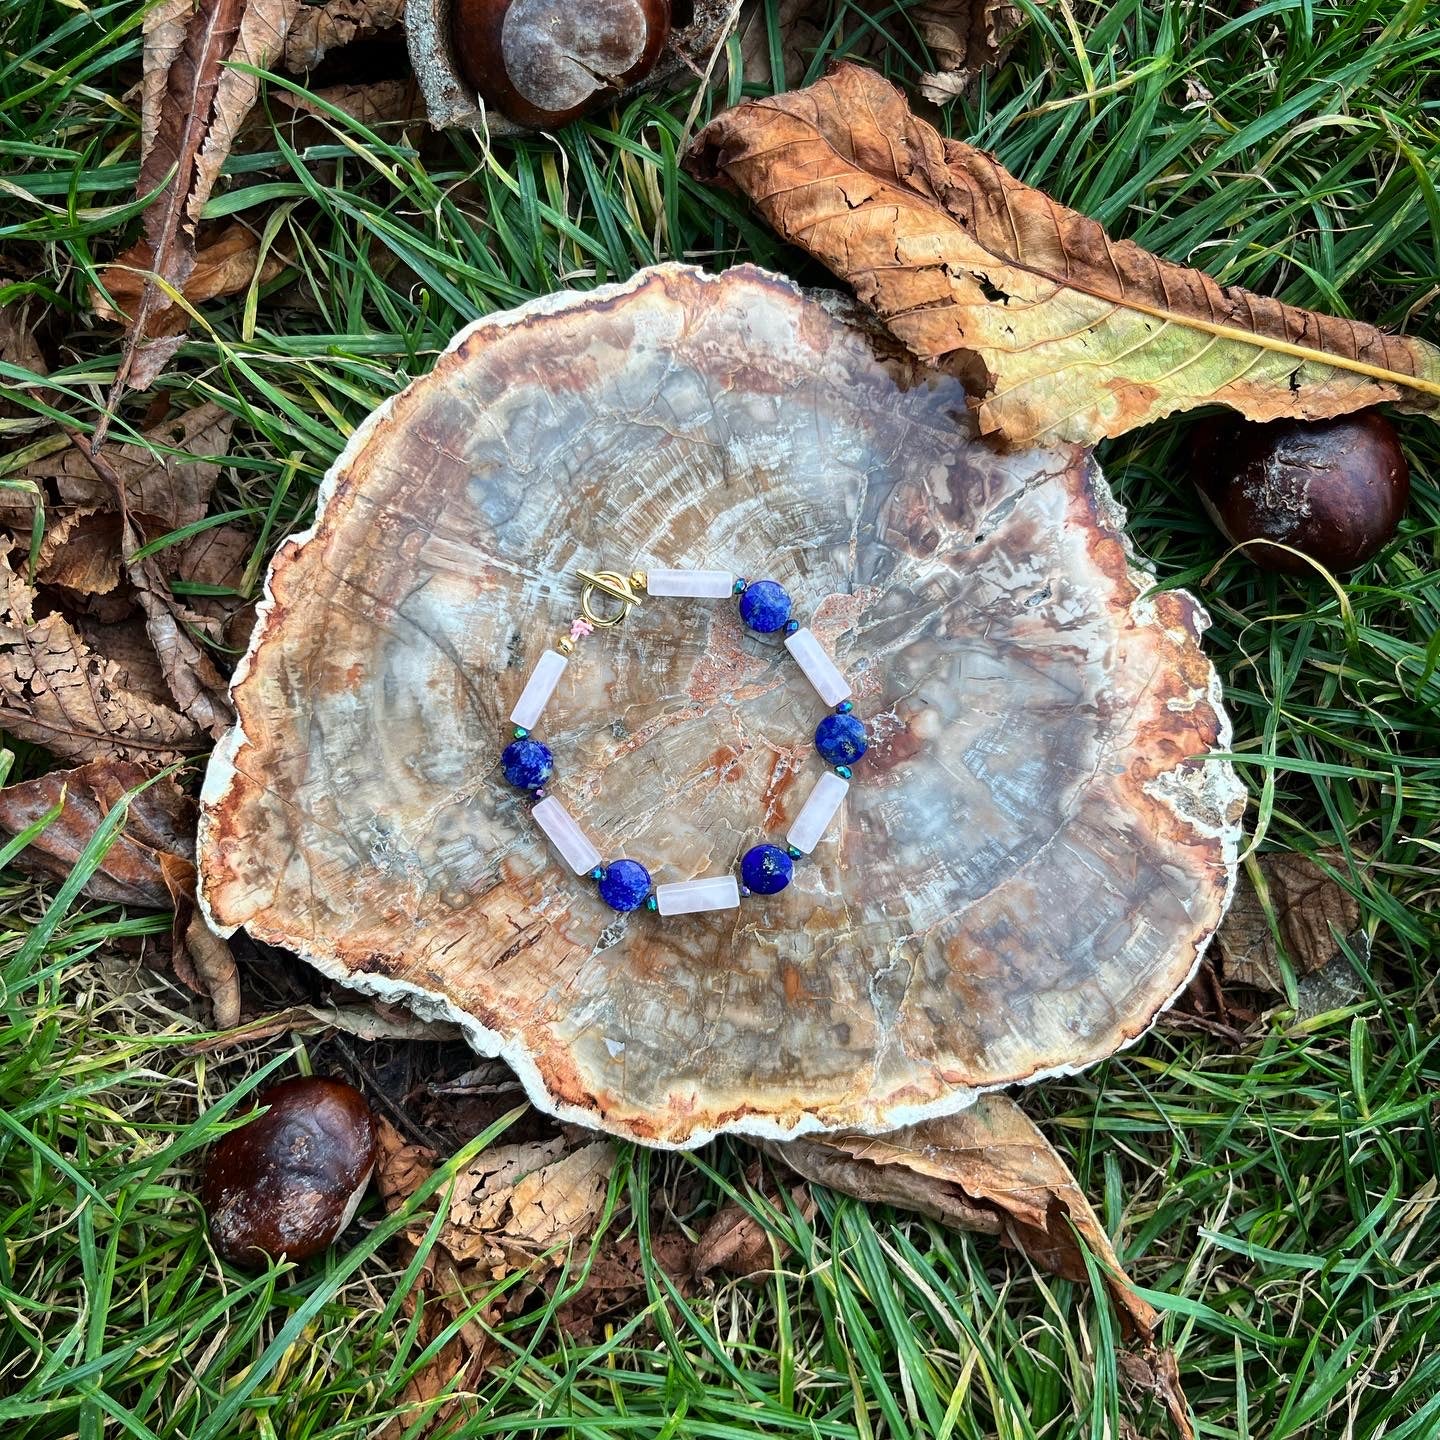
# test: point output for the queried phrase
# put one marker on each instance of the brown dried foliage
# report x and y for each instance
(1310, 911)
(1058, 332)
(150, 863)
(988, 1169)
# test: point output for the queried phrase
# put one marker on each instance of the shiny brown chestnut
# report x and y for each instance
(543, 62)
(1332, 489)
(286, 1184)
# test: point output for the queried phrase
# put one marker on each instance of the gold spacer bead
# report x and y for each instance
(565, 645)
(639, 579)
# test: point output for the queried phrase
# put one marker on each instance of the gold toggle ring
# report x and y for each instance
(617, 587)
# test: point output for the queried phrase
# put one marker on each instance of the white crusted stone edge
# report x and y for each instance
(1218, 789)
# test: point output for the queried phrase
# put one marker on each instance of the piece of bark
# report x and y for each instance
(1311, 910)
(58, 692)
(1041, 725)
(1058, 332)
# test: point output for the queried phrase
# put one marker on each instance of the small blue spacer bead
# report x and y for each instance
(844, 707)
(651, 903)
(744, 889)
(843, 771)
(792, 627)
(598, 873)
(740, 586)
(794, 852)
(521, 732)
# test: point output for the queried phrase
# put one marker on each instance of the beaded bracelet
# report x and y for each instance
(764, 869)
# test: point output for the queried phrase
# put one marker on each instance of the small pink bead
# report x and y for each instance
(580, 628)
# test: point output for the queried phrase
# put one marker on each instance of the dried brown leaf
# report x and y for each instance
(18, 347)
(321, 28)
(161, 821)
(987, 1168)
(990, 1169)
(224, 264)
(1059, 332)
(169, 477)
(962, 36)
(192, 108)
(150, 862)
(736, 1243)
(58, 692)
(81, 551)
(198, 687)
(375, 102)
(213, 967)
(1310, 910)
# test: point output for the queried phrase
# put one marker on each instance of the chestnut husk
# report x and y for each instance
(285, 1185)
(1334, 490)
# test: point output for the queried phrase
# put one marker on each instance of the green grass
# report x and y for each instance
(1278, 1201)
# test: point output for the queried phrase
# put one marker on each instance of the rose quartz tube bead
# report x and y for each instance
(817, 812)
(538, 689)
(820, 670)
(685, 897)
(566, 836)
(690, 584)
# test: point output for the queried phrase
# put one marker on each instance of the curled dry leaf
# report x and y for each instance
(987, 1168)
(318, 29)
(963, 37)
(1058, 332)
(198, 687)
(735, 1243)
(1310, 911)
(58, 692)
(81, 551)
(990, 1169)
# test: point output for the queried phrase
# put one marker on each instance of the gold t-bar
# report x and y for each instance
(620, 588)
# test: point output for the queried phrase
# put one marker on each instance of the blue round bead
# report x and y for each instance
(765, 606)
(766, 869)
(527, 763)
(626, 885)
(840, 739)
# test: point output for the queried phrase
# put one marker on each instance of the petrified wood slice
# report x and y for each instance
(1032, 857)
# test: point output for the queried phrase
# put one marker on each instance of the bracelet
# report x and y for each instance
(765, 869)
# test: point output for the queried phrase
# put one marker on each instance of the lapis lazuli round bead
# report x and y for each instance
(766, 869)
(626, 885)
(765, 606)
(840, 739)
(527, 763)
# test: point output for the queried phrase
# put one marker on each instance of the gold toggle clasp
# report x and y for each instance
(619, 588)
